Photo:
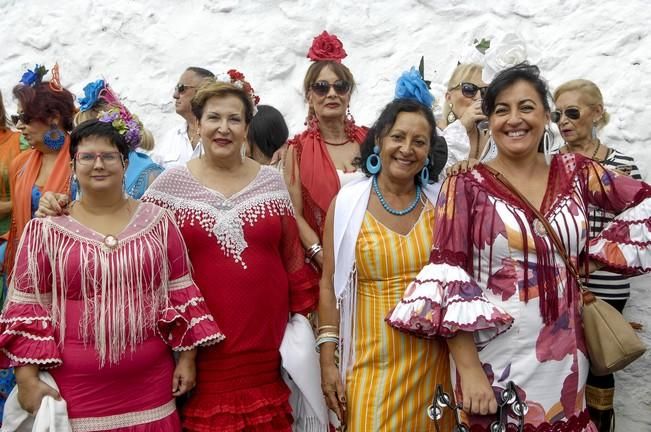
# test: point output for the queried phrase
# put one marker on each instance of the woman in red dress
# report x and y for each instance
(238, 223)
(320, 160)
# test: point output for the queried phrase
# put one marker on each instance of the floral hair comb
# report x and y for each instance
(127, 124)
(238, 79)
(34, 77)
(327, 47)
(412, 85)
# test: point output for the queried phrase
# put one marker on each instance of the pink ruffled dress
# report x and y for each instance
(104, 318)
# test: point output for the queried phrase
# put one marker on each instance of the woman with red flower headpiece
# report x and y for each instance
(319, 161)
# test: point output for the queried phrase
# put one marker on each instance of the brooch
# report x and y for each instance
(539, 228)
(111, 241)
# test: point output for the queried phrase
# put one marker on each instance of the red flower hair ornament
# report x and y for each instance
(237, 78)
(326, 47)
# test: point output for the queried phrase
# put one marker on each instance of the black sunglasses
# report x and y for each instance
(323, 87)
(469, 90)
(180, 88)
(15, 118)
(570, 113)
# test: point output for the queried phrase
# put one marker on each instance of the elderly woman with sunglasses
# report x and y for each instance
(580, 114)
(497, 288)
(462, 121)
(319, 161)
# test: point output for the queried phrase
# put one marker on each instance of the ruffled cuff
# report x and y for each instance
(27, 337)
(303, 290)
(444, 300)
(624, 246)
(186, 323)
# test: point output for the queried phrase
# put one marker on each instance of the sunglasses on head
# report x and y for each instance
(323, 87)
(469, 90)
(570, 113)
(15, 118)
(180, 88)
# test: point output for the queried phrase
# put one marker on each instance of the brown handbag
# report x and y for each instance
(611, 341)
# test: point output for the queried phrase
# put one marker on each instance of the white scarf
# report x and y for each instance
(350, 206)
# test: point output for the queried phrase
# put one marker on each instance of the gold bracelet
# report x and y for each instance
(324, 327)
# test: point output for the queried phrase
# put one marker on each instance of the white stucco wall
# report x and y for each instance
(141, 47)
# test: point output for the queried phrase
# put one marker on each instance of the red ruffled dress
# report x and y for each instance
(248, 261)
(105, 318)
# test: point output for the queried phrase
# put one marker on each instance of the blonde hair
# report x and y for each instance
(462, 72)
(590, 94)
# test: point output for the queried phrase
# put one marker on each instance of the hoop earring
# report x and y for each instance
(54, 138)
(548, 140)
(424, 173)
(373, 162)
(452, 117)
(594, 131)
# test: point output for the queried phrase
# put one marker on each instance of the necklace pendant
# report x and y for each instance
(539, 228)
(111, 241)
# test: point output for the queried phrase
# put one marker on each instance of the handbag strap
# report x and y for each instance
(588, 297)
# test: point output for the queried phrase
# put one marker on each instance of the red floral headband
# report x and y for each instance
(326, 47)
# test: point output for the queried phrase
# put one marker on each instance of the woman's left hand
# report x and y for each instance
(185, 374)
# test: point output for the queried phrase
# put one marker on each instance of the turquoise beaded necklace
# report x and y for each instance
(390, 209)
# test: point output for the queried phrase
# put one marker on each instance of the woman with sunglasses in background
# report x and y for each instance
(319, 161)
(102, 296)
(580, 114)
(462, 114)
(45, 116)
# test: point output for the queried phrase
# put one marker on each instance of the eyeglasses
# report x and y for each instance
(322, 88)
(570, 113)
(469, 90)
(89, 158)
(20, 117)
(181, 88)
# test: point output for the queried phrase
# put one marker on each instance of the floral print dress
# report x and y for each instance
(493, 271)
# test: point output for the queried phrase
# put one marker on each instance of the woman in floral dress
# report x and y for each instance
(495, 286)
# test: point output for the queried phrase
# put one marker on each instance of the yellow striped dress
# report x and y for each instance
(394, 375)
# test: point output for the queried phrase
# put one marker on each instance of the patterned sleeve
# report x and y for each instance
(303, 279)
(444, 299)
(624, 244)
(185, 322)
(26, 326)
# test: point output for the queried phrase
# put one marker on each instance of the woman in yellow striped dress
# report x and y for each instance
(378, 232)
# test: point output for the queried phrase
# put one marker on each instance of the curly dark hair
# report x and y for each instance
(41, 102)
(438, 152)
